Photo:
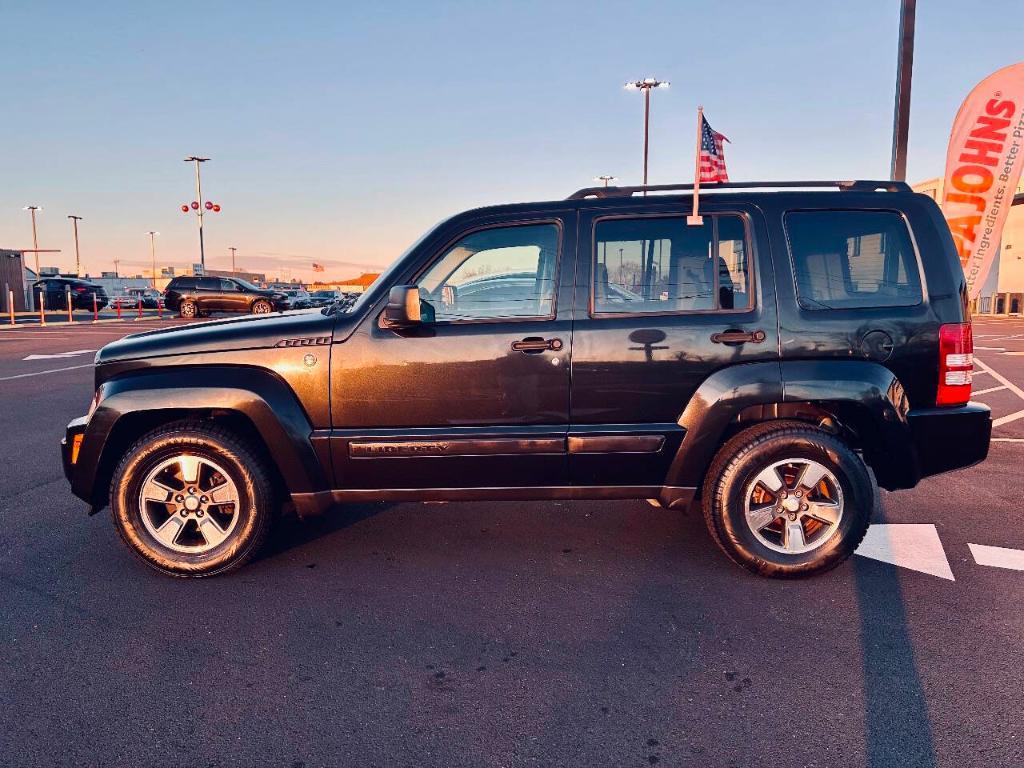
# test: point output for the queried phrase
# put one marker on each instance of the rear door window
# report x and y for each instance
(662, 265)
(853, 259)
(208, 284)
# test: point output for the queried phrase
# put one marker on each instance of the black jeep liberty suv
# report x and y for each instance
(599, 347)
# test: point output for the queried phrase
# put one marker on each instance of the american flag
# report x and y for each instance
(318, 267)
(712, 154)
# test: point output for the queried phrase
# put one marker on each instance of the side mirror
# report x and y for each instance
(403, 309)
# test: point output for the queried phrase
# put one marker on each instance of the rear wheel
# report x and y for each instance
(261, 307)
(786, 499)
(192, 500)
(188, 308)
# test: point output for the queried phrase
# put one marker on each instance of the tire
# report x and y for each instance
(188, 309)
(183, 536)
(262, 307)
(795, 543)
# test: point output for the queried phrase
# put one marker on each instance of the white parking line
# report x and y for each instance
(986, 391)
(1008, 418)
(41, 373)
(1001, 379)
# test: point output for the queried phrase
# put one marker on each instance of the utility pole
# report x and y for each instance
(78, 258)
(646, 85)
(904, 73)
(116, 262)
(152, 250)
(232, 249)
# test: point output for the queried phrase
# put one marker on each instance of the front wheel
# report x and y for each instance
(785, 499)
(192, 500)
(188, 309)
(261, 307)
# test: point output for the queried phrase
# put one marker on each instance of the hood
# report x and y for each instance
(249, 332)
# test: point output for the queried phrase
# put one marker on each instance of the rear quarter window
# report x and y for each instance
(853, 259)
(182, 285)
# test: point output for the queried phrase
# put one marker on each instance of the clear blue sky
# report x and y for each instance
(340, 131)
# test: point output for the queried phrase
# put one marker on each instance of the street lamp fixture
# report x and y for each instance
(646, 85)
(605, 179)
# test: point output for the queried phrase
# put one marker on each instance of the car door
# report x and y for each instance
(231, 297)
(478, 395)
(654, 297)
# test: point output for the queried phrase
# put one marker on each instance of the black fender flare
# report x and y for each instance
(254, 393)
(860, 391)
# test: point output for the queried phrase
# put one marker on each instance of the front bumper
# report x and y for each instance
(950, 438)
(70, 445)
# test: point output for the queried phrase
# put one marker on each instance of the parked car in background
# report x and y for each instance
(324, 298)
(125, 301)
(150, 297)
(55, 292)
(298, 298)
(199, 296)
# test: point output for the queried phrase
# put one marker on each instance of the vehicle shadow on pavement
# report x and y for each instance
(289, 531)
(898, 730)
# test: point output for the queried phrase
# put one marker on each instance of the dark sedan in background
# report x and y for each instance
(55, 291)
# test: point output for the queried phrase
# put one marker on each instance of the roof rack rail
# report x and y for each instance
(853, 185)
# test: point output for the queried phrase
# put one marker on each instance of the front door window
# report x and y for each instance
(505, 272)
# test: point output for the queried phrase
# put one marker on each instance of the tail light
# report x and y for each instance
(956, 364)
(80, 289)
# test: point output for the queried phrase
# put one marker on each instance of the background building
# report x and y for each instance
(1003, 292)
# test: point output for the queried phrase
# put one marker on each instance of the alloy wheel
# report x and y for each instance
(794, 506)
(189, 504)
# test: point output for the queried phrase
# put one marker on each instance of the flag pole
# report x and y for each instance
(696, 220)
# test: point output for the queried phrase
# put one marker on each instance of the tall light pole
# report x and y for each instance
(904, 71)
(35, 237)
(35, 244)
(152, 251)
(78, 258)
(200, 207)
(232, 249)
(646, 85)
(605, 179)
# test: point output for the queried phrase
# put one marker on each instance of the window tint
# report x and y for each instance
(227, 285)
(208, 283)
(851, 259)
(182, 284)
(664, 265)
(501, 272)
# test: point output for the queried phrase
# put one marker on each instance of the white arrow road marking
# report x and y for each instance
(998, 557)
(909, 545)
(59, 355)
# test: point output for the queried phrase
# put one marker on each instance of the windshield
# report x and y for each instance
(246, 284)
(384, 277)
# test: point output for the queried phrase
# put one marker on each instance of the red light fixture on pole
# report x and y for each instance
(199, 208)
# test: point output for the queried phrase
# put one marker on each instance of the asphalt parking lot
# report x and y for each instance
(505, 634)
